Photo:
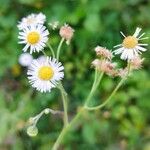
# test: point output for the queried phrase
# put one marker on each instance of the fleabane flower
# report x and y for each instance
(66, 32)
(35, 38)
(136, 63)
(131, 47)
(25, 59)
(33, 19)
(105, 66)
(123, 72)
(43, 76)
(103, 52)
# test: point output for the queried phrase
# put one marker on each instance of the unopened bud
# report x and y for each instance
(47, 111)
(32, 131)
(66, 32)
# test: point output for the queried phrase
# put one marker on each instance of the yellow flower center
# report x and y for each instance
(33, 37)
(45, 73)
(130, 42)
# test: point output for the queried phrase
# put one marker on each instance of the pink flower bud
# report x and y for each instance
(103, 52)
(136, 63)
(66, 32)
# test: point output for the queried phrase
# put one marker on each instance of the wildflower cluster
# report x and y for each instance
(43, 74)
(130, 50)
(46, 72)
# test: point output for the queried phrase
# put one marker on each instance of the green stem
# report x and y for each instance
(44, 53)
(113, 92)
(59, 48)
(109, 98)
(65, 105)
(66, 129)
(51, 49)
(77, 116)
(96, 82)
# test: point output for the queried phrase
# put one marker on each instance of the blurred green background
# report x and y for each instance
(122, 125)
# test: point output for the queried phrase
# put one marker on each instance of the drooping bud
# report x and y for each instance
(47, 111)
(32, 131)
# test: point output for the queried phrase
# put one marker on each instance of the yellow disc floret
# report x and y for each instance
(130, 42)
(33, 37)
(45, 73)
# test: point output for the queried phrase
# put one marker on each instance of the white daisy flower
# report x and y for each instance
(25, 59)
(34, 37)
(130, 47)
(32, 19)
(45, 75)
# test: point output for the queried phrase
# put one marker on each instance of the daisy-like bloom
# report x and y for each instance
(136, 63)
(30, 20)
(44, 76)
(103, 52)
(131, 47)
(25, 59)
(34, 37)
(66, 32)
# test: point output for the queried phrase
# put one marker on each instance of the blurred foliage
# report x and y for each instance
(122, 125)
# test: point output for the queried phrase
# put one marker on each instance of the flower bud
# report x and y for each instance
(32, 131)
(95, 63)
(122, 72)
(66, 32)
(47, 111)
(103, 52)
(136, 63)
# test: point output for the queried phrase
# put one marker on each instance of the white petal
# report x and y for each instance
(137, 31)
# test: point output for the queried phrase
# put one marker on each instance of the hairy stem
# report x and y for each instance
(59, 48)
(113, 92)
(65, 105)
(96, 83)
(65, 130)
(109, 98)
(51, 49)
(44, 53)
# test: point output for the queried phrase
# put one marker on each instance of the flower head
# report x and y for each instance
(45, 75)
(30, 20)
(103, 52)
(66, 32)
(34, 37)
(130, 46)
(105, 66)
(122, 72)
(136, 63)
(25, 59)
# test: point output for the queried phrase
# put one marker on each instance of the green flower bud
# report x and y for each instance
(47, 111)
(32, 131)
